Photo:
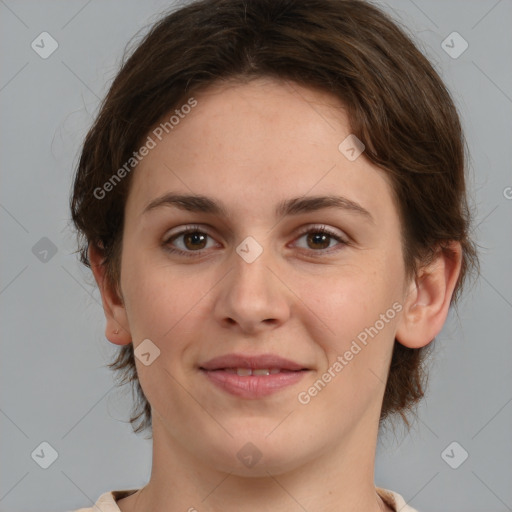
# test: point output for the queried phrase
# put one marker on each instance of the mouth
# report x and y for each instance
(247, 372)
(252, 377)
(264, 364)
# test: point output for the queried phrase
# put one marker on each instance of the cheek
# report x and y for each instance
(361, 309)
(156, 299)
(363, 317)
(352, 300)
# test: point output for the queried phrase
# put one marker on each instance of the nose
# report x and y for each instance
(253, 296)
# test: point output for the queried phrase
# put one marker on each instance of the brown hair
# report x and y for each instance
(397, 105)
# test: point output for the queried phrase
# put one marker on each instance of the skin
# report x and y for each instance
(250, 146)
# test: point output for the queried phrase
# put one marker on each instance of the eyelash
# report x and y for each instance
(197, 229)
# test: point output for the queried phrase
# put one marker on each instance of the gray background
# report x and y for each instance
(54, 383)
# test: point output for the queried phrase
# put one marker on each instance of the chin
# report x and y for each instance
(256, 455)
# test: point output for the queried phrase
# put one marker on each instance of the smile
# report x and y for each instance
(244, 372)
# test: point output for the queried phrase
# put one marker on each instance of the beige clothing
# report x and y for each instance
(107, 501)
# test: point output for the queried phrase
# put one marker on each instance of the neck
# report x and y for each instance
(338, 480)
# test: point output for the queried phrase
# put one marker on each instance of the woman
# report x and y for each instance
(272, 201)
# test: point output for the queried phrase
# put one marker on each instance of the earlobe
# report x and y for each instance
(116, 329)
(427, 304)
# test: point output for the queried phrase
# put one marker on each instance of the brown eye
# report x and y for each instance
(194, 240)
(187, 242)
(319, 239)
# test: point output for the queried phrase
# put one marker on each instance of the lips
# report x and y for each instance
(245, 372)
(236, 362)
(252, 377)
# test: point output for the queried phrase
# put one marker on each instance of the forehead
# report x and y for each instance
(256, 143)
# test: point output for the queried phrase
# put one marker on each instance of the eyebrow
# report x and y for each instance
(294, 206)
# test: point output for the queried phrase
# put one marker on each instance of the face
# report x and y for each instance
(251, 280)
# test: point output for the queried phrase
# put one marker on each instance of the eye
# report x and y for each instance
(319, 238)
(193, 240)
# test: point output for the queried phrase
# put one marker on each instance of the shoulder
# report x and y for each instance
(107, 502)
(394, 500)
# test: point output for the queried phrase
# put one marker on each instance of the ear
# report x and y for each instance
(428, 300)
(117, 328)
